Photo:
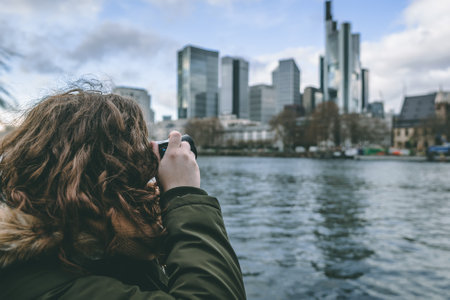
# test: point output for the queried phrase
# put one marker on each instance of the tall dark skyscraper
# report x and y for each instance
(365, 89)
(198, 83)
(234, 91)
(341, 75)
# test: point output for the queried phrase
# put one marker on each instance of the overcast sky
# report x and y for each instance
(405, 43)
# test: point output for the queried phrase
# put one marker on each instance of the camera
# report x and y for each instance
(162, 145)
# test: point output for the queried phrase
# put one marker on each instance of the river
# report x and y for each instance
(335, 229)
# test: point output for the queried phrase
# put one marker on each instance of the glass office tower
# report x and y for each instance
(198, 83)
(234, 89)
(286, 81)
(142, 97)
(262, 103)
(341, 75)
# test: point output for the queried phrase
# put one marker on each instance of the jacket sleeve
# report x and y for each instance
(201, 263)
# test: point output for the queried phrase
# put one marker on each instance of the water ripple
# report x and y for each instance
(331, 229)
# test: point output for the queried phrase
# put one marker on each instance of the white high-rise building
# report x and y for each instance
(286, 82)
(142, 97)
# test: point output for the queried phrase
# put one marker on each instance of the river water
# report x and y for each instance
(336, 229)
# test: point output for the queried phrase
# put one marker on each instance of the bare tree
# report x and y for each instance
(207, 132)
(325, 123)
(285, 126)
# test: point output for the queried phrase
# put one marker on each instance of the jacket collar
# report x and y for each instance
(22, 236)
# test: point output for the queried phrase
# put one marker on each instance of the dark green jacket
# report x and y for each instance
(200, 263)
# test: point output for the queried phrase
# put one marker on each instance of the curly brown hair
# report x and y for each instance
(81, 163)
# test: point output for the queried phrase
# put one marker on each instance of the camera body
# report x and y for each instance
(162, 145)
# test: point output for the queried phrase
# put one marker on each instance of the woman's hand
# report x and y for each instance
(178, 166)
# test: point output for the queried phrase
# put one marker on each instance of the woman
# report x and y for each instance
(81, 217)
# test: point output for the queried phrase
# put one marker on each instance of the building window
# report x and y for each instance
(398, 132)
(406, 131)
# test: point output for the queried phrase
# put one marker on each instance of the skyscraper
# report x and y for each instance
(198, 83)
(142, 97)
(286, 81)
(262, 103)
(364, 88)
(341, 76)
(234, 90)
(312, 97)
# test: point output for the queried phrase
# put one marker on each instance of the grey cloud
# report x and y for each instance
(115, 39)
(41, 63)
(52, 8)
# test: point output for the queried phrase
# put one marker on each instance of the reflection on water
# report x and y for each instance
(335, 229)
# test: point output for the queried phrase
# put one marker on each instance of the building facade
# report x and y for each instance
(341, 76)
(239, 131)
(364, 89)
(311, 98)
(262, 103)
(410, 128)
(286, 82)
(376, 109)
(198, 83)
(234, 91)
(142, 97)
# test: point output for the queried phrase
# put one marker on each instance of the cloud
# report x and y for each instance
(59, 52)
(51, 8)
(416, 59)
(173, 3)
(114, 39)
(237, 12)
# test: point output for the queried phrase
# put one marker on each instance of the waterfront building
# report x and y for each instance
(142, 97)
(410, 128)
(162, 129)
(240, 131)
(234, 91)
(312, 97)
(198, 83)
(341, 77)
(443, 106)
(262, 103)
(286, 82)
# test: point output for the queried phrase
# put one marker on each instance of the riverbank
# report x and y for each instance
(327, 155)
(390, 157)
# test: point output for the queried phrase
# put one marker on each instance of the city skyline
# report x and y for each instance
(403, 44)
